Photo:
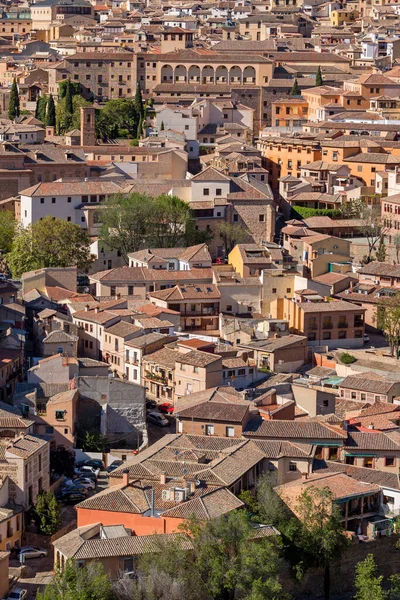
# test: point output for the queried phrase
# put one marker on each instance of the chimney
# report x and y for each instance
(163, 478)
(371, 426)
(125, 477)
(192, 485)
(97, 309)
(86, 307)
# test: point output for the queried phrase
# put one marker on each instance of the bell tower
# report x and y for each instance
(88, 130)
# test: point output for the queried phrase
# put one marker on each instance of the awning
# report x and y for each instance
(361, 455)
(327, 444)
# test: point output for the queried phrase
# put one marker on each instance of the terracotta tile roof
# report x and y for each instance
(59, 337)
(292, 430)
(166, 357)
(133, 274)
(8, 420)
(334, 306)
(25, 446)
(197, 358)
(210, 174)
(373, 441)
(380, 269)
(100, 317)
(339, 484)
(122, 329)
(187, 292)
(381, 478)
(147, 339)
(213, 411)
(368, 382)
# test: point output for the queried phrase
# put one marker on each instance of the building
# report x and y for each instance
(199, 305)
(324, 323)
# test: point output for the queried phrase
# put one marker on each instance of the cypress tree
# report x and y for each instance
(68, 98)
(162, 126)
(139, 101)
(295, 91)
(51, 112)
(41, 106)
(13, 107)
(318, 78)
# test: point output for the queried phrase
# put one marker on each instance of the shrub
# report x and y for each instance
(303, 212)
(347, 358)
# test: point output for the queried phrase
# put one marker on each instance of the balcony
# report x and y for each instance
(327, 326)
(155, 377)
(312, 327)
(358, 323)
(343, 325)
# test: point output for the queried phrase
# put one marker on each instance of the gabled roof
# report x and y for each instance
(210, 174)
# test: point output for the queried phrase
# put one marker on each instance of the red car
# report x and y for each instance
(166, 408)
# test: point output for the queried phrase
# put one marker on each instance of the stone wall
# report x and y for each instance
(387, 559)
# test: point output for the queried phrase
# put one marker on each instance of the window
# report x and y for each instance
(353, 395)
(363, 397)
(229, 308)
(128, 564)
(41, 200)
(350, 460)
(388, 500)
(230, 432)
(292, 466)
(113, 290)
(274, 290)
(206, 192)
(180, 426)
(390, 461)
(218, 192)
(69, 199)
(53, 200)
(130, 290)
(261, 218)
(182, 367)
(209, 429)
(368, 462)
(195, 369)
(60, 415)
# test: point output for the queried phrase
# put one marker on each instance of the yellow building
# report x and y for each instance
(341, 16)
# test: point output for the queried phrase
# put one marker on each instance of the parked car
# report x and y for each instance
(89, 470)
(114, 465)
(32, 552)
(150, 404)
(157, 418)
(75, 488)
(17, 594)
(366, 338)
(3, 277)
(87, 482)
(94, 462)
(72, 497)
(166, 408)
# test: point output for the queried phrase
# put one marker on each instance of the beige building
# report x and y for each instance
(26, 462)
(329, 324)
(113, 345)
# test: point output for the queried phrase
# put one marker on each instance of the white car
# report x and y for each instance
(157, 418)
(32, 552)
(17, 594)
(85, 482)
(87, 469)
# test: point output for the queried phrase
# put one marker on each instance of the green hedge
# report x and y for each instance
(303, 212)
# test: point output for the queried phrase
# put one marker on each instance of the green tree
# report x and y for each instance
(131, 222)
(139, 107)
(47, 513)
(122, 118)
(62, 461)
(295, 91)
(78, 583)
(49, 243)
(162, 127)
(8, 229)
(92, 441)
(102, 124)
(68, 98)
(13, 107)
(318, 78)
(231, 565)
(51, 112)
(347, 359)
(396, 243)
(388, 319)
(41, 105)
(372, 227)
(367, 582)
(381, 251)
(231, 234)
(320, 538)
